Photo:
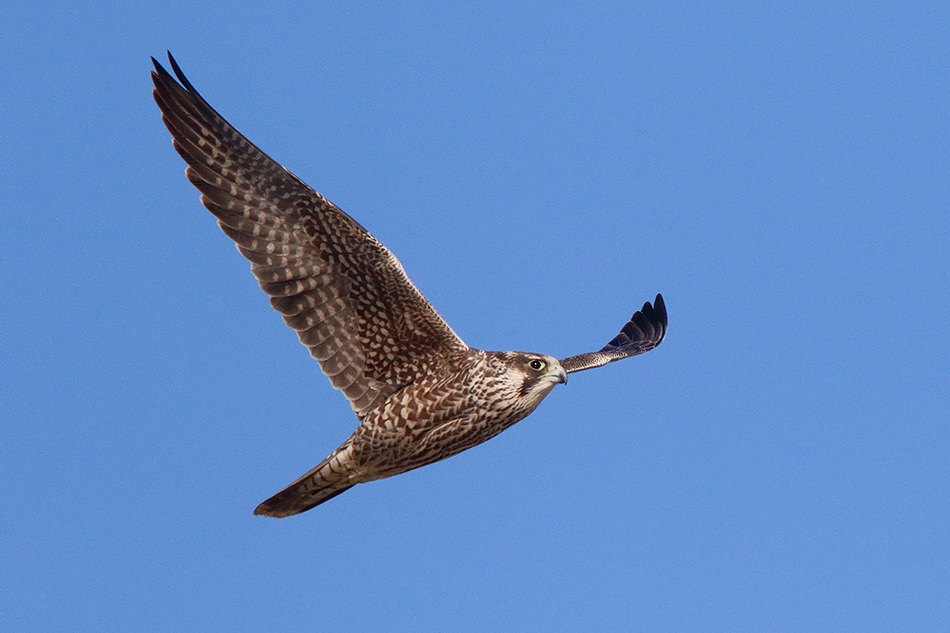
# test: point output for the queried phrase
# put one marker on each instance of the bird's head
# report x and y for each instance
(542, 370)
(530, 377)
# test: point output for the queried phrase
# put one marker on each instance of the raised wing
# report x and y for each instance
(343, 292)
(643, 332)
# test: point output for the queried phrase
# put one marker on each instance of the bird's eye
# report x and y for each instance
(536, 364)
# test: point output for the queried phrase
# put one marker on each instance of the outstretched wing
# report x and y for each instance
(344, 293)
(643, 332)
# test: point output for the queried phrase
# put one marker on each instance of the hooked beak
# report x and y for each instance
(560, 375)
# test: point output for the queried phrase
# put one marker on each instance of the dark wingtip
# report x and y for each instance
(658, 309)
(647, 324)
(160, 70)
(168, 91)
(659, 305)
(657, 315)
(179, 74)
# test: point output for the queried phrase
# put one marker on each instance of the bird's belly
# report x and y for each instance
(389, 449)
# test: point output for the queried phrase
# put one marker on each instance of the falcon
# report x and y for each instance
(420, 393)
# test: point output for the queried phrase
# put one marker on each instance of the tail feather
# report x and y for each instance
(291, 501)
(325, 481)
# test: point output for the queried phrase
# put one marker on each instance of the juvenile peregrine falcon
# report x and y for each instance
(419, 392)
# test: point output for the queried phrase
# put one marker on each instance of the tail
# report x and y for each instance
(327, 480)
(291, 501)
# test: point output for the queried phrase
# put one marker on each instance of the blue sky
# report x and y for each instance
(778, 172)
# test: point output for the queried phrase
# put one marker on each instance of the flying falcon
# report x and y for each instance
(419, 392)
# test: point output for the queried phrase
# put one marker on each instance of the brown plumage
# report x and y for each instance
(419, 392)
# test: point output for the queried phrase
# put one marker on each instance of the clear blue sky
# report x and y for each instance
(778, 171)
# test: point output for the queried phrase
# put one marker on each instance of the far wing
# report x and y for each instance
(643, 332)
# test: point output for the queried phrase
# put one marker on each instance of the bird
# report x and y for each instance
(419, 392)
